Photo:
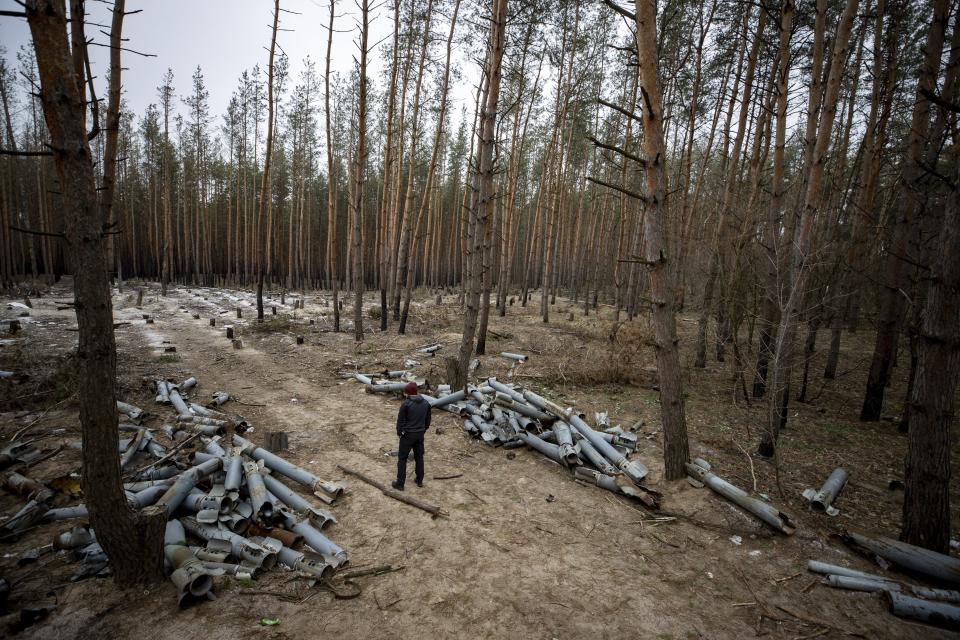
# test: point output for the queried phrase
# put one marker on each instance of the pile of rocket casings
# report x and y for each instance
(514, 417)
(229, 512)
(933, 605)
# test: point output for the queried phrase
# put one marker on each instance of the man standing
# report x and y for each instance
(412, 422)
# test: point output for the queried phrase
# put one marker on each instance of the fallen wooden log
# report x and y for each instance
(396, 495)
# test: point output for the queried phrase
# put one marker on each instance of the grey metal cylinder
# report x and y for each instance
(936, 613)
(830, 490)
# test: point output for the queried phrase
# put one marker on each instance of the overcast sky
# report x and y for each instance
(223, 36)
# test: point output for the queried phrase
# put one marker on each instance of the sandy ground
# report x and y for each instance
(506, 562)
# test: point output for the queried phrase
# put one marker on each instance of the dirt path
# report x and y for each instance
(506, 563)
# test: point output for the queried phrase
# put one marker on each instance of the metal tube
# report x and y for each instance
(385, 387)
(317, 541)
(292, 471)
(768, 513)
(197, 500)
(822, 500)
(28, 488)
(631, 468)
(518, 357)
(163, 392)
(496, 385)
(159, 473)
(565, 442)
(478, 396)
(873, 585)
(300, 561)
(936, 613)
(505, 400)
(262, 507)
(188, 575)
(202, 420)
(135, 413)
(541, 403)
(66, 513)
(430, 348)
(200, 410)
(188, 384)
(178, 402)
(860, 584)
(242, 548)
(176, 494)
(287, 538)
(552, 451)
(938, 566)
(293, 500)
(593, 457)
(148, 496)
(228, 569)
(76, 537)
(448, 399)
(213, 447)
(832, 569)
(153, 447)
(200, 456)
(136, 487)
(234, 468)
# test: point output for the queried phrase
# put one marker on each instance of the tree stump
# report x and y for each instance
(149, 320)
(512, 300)
(239, 312)
(237, 343)
(312, 321)
(139, 297)
(14, 326)
(213, 322)
(283, 298)
(570, 317)
(274, 310)
(26, 301)
(229, 333)
(196, 316)
(341, 305)
(456, 376)
(299, 339)
(277, 441)
(146, 316)
(439, 299)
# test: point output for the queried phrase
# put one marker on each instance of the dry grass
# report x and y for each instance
(623, 357)
(46, 384)
(272, 324)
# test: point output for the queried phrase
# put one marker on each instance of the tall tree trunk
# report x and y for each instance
(926, 501)
(131, 539)
(911, 200)
(481, 211)
(421, 214)
(359, 179)
(675, 446)
(723, 223)
(803, 259)
(332, 261)
(263, 235)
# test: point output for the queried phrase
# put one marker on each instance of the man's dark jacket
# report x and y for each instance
(414, 416)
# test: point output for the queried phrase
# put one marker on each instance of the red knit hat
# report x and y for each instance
(410, 389)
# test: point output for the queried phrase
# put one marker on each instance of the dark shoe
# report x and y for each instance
(396, 485)
(420, 484)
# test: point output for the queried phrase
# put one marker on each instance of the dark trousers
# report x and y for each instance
(407, 442)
